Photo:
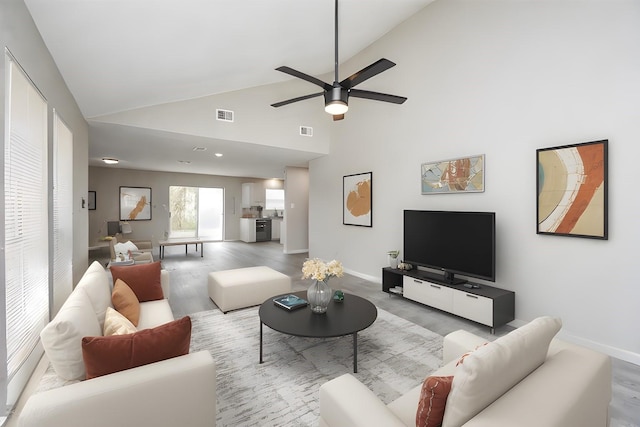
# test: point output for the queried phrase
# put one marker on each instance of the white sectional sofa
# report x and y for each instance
(180, 391)
(500, 384)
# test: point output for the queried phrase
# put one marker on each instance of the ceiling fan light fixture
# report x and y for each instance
(335, 101)
(336, 108)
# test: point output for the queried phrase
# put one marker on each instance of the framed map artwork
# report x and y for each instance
(463, 175)
(356, 197)
(135, 203)
(572, 190)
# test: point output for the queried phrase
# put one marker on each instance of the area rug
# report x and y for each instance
(394, 355)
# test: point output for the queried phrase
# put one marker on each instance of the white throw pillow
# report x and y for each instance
(488, 372)
(124, 248)
(95, 282)
(116, 324)
(62, 337)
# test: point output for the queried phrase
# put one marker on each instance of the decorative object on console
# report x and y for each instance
(126, 227)
(356, 199)
(319, 293)
(393, 258)
(135, 203)
(338, 296)
(405, 266)
(572, 190)
(463, 175)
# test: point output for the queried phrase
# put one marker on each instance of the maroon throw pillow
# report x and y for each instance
(143, 279)
(433, 399)
(106, 355)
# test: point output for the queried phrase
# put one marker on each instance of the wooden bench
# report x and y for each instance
(186, 242)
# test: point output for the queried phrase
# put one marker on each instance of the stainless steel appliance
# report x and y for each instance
(263, 230)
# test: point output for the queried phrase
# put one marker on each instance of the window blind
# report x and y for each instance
(26, 220)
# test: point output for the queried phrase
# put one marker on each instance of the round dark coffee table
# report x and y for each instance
(349, 317)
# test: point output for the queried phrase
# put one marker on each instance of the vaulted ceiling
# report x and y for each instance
(128, 55)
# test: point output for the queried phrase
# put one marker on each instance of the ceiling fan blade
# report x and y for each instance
(376, 96)
(366, 73)
(338, 117)
(303, 76)
(300, 98)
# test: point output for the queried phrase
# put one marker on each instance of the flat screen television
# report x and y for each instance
(452, 242)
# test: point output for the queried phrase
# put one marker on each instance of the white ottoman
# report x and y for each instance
(245, 287)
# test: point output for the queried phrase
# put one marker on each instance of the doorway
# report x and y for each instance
(196, 212)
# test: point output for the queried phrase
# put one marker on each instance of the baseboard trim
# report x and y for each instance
(364, 276)
(297, 251)
(618, 353)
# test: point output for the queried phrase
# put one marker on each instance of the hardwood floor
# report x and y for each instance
(189, 295)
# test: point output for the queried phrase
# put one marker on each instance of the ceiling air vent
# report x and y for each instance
(224, 115)
(306, 131)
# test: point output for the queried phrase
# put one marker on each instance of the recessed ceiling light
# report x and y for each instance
(110, 161)
(218, 154)
(199, 148)
(184, 162)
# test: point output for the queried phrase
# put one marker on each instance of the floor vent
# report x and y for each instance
(306, 131)
(224, 115)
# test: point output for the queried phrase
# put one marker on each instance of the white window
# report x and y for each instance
(275, 199)
(196, 212)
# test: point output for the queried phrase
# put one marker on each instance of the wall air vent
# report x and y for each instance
(306, 131)
(224, 115)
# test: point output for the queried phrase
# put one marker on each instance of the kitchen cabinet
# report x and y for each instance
(247, 194)
(252, 195)
(276, 224)
(248, 230)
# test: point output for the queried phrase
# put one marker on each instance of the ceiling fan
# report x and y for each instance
(336, 95)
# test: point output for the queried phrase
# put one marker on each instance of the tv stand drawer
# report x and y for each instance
(431, 294)
(473, 307)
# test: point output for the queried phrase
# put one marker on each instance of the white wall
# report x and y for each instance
(19, 34)
(501, 78)
(255, 121)
(296, 210)
(106, 183)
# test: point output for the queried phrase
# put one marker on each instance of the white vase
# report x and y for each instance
(393, 262)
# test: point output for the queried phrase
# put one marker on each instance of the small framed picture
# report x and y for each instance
(92, 201)
(357, 192)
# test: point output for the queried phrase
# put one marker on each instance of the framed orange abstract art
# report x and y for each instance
(356, 199)
(572, 190)
(135, 203)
